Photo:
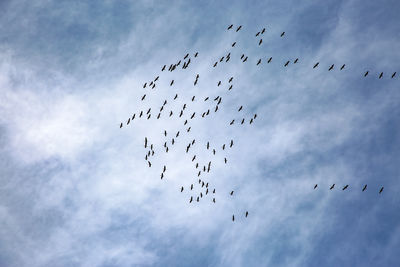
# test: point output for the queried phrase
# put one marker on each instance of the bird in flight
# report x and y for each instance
(364, 188)
(238, 29)
(230, 26)
(332, 187)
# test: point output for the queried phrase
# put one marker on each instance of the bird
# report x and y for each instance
(176, 96)
(134, 115)
(258, 33)
(186, 56)
(191, 187)
(191, 199)
(214, 151)
(214, 199)
(242, 56)
(162, 175)
(208, 145)
(197, 199)
(193, 98)
(223, 147)
(214, 191)
(269, 60)
(233, 218)
(158, 116)
(247, 214)
(394, 74)
(205, 99)
(230, 26)
(230, 87)
(172, 82)
(242, 121)
(259, 61)
(366, 73)
(380, 75)
(263, 30)
(163, 68)
(148, 117)
(195, 55)
(177, 134)
(316, 65)
(170, 113)
(315, 186)
(332, 187)
(238, 29)
(364, 188)
(194, 113)
(173, 141)
(180, 114)
(260, 42)
(331, 67)
(231, 193)
(287, 63)
(295, 61)
(181, 189)
(216, 108)
(144, 85)
(159, 76)
(221, 59)
(165, 168)
(233, 45)
(149, 163)
(231, 143)
(225, 160)
(251, 121)
(145, 142)
(188, 129)
(245, 59)
(255, 116)
(165, 132)
(232, 122)
(120, 126)
(194, 157)
(282, 34)
(342, 67)
(345, 187)
(380, 191)
(215, 64)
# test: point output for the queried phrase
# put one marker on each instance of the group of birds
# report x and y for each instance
(346, 186)
(211, 107)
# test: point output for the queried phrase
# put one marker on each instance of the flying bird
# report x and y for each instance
(315, 186)
(231, 143)
(259, 61)
(364, 188)
(282, 34)
(380, 75)
(287, 63)
(366, 73)
(263, 30)
(233, 218)
(186, 56)
(260, 42)
(238, 29)
(269, 60)
(181, 189)
(331, 67)
(120, 126)
(342, 67)
(233, 45)
(231, 193)
(225, 160)
(394, 74)
(258, 33)
(216, 62)
(316, 65)
(295, 61)
(345, 187)
(247, 214)
(195, 55)
(232, 122)
(380, 191)
(332, 187)
(163, 68)
(230, 26)
(172, 82)
(144, 85)
(176, 96)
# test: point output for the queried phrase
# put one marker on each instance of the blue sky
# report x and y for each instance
(75, 189)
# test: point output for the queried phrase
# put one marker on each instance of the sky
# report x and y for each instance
(76, 190)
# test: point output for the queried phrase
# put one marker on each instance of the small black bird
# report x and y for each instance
(193, 115)
(177, 134)
(230, 87)
(144, 85)
(315, 186)
(242, 121)
(342, 67)
(191, 187)
(163, 68)
(287, 63)
(221, 59)
(364, 188)
(230, 26)
(233, 45)
(258, 33)
(191, 199)
(182, 189)
(193, 98)
(316, 65)
(176, 96)
(380, 191)
(247, 214)
(208, 145)
(205, 99)
(366, 73)
(120, 126)
(186, 56)
(216, 62)
(260, 42)
(143, 97)
(195, 55)
(345, 187)
(380, 75)
(231, 143)
(282, 34)
(233, 218)
(331, 67)
(269, 60)
(242, 56)
(245, 59)
(332, 187)
(295, 61)
(214, 199)
(134, 115)
(225, 160)
(194, 157)
(259, 61)
(238, 29)
(232, 122)
(394, 74)
(230, 79)
(172, 82)
(263, 30)
(231, 193)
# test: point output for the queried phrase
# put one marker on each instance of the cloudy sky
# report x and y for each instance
(76, 190)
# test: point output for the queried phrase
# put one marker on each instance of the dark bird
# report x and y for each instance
(345, 187)
(120, 126)
(165, 102)
(188, 129)
(282, 34)
(216, 62)
(195, 55)
(287, 63)
(245, 59)
(194, 157)
(295, 61)
(181, 189)
(165, 133)
(191, 199)
(162, 175)
(263, 30)
(231, 193)
(221, 59)
(233, 44)
(223, 147)
(230, 79)
(208, 145)
(231, 143)
(260, 42)
(205, 99)
(366, 73)
(257, 34)
(342, 67)
(173, 141)
(259, 61)
(143, 97)
(166, 149)
(269, 60)
(227, 59)
(230, 26)
(242, 121)
(185, 122)
(197, 165)
(149, 163)
(315, 186)
(208, 112)
(238, 29)
(191, 187)
(170, 113)
(134, 115)
(380, 191)
(172, 82)
(151, 83)
(148, 111)
(148, 117)
(159, 76)
(331, 67)
(213, 151)
(145, 142)
(207, 191)
(251, 121)
(179, 62)
(163, 68)
(216, 108)
(177, 134)
(184, 106)
(233, 218)
(242, 56)
(197, 199)
(176, 96)
(165, 168)
(247, 214)
(193, 98)
(364, 188)
(255, 116)
(332, 187)
(232, 122)
(230, 87)
(180, 114)
(186, 56)
(380, 75)
(316, 65)
(214, 191)
(144, 85)
(394, 74)
(225, 160)
(214, 199)
(201, 194)
(194, 113)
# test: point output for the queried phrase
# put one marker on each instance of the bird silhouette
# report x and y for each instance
(231, 193)
(282, 34)
(233, 45)
(345, 187)
(380, 191)
(263, 30)
(238, 29)
(394, 74)
(233, 218)
(315, 186)
(287, 63)
(258, 33)
(332, 187)
(380, 75)
(181, 189)
(331, 67)
(364, 188)
(295, 61)
(230, 26)
(259, 61)
(269, 60)
(260, 42)
(120, 126)
(366, 73)
(342, 67)
(247, 214)
(316, 65)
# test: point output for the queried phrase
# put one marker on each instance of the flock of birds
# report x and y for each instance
(214, 103)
